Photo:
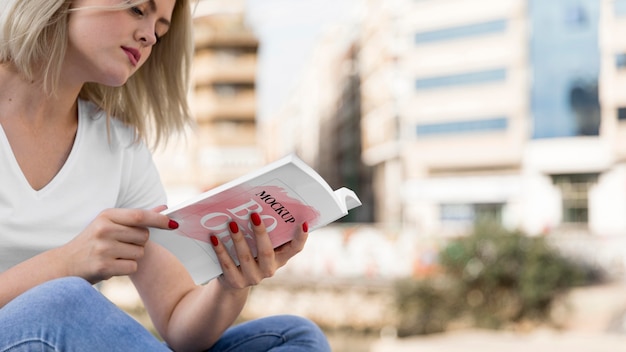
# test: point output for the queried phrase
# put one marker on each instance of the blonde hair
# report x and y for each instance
(153, 100)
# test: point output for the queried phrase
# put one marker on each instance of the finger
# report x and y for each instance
(265, 248)
(299, 240)
(295, 246)
(229, 268)
(128, 251)
(129, 235)
(115, 261)
(140, 218)
(121, 267)
(105, 229)
(160, 208)
(116, 249)
(245, 256)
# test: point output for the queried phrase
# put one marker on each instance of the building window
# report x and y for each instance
(585, 104)
(463, 79)
(471, 30)
(620, 61)
(575, 196)
(576, 16)
(621, 114)
(466, 215)
(469, 126)
(463, 213)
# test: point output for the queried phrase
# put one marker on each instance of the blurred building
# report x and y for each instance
(437, 113)
(384, 60)
(507, 115)
(503, 109)
(223, 145)
(463, 115)
(612, 88)
(321, 119)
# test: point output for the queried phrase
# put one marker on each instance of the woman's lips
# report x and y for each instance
(133, 55)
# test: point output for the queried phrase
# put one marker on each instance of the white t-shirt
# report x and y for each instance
(101, 172)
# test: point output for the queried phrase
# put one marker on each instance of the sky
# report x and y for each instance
(287, 30)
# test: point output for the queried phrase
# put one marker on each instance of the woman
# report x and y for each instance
(81, 84)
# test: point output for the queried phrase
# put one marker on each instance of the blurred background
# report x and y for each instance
(485, 138)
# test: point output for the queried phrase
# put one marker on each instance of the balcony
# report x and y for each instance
(224, 67)
(225, 39)
(208, 105)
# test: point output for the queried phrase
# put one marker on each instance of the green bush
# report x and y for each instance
(492, 277)
(424, 306)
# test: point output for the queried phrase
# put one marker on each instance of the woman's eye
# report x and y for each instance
(136, 10)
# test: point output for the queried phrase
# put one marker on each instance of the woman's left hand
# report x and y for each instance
(251, 271)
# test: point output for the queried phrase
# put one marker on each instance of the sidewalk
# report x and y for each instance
(596, 323)
(488, 341)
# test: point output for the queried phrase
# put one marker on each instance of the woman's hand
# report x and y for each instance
(113, 243)
(251, 271)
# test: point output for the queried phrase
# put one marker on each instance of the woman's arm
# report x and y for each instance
(191, 317)
(30, 273)
(110, 246)
(188, 317)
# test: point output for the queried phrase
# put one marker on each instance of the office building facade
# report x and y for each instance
(501, 109)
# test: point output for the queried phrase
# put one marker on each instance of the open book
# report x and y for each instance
(285, 193)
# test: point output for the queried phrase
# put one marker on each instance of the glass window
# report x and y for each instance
(468, 78)
(575, 196)
(576, 16)
(621, 114)
(456, 213)
(585, 106)
(470, 126)
(471, 30)
(469, 214)
(620, 60)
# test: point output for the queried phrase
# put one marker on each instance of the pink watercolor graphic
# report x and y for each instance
(281, 214)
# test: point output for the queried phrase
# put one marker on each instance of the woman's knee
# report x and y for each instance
(62, 295)
(302, 330)
(295, 321)
(70, 314)
(67, 292)
(68, 286)
(279, 332)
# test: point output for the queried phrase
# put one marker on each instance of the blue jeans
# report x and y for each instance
(70, 315)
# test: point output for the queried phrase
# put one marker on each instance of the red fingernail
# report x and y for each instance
(256, 219)
(172, 224)
(214, 240)
(305, 227)
(234, 228)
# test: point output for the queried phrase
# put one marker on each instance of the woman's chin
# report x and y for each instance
(114, 82)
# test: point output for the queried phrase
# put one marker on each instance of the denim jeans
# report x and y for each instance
(70, 315)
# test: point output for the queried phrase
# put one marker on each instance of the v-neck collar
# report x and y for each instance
(67, 165)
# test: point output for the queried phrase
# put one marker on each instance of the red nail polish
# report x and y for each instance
(256, 219)
(172, 224)
(234, 228)
(214, 241)
(305, 227)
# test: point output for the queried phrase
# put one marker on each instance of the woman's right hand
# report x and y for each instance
(113, 243)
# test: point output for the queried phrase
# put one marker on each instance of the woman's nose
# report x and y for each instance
(146, 35)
